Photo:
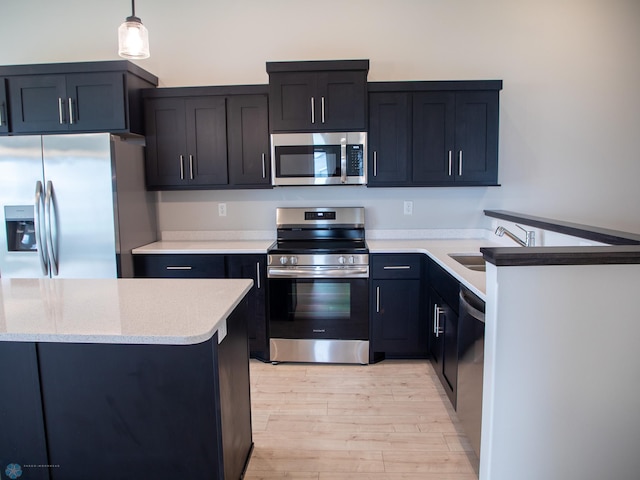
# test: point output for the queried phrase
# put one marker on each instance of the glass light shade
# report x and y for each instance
(133, 39)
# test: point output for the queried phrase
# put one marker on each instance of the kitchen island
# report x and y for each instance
(124, 378)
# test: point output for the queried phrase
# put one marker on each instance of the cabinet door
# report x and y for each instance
(253, 267)
(395, 308)
(23, 431)
(206, 155)
(292, 101)
(166, 142)
(444, 343)
(97, 102)
(477, 137)
(4, 110)
(433, 137)
(38, 103)
(342, 100)
(248, 119)
(389, 125)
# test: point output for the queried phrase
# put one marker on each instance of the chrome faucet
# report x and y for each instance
(530, 236)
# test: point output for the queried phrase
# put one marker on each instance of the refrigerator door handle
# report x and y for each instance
(50, 222)
(38, 209)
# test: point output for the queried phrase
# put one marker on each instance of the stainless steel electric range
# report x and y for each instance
(318, 274)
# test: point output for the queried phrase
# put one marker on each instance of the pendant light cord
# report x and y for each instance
(133, 8)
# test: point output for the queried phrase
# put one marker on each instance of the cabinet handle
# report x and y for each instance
(181, 167)
(60, 111)
(264, 165)
(436, 320)
(460, 163)
(397, 267)
(377, 299)
(191, 167)
(2, 122)
(313, 110)
(70, 111)
(258, 275)
(375, 163)
(450, 162)
(179, 267)
(322, 108)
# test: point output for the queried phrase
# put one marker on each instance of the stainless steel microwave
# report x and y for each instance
(328, 158)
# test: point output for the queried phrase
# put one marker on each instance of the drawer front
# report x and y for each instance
(443, 283)
(179, 266)
(399, 265)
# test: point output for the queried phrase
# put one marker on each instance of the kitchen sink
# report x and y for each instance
(473, 261)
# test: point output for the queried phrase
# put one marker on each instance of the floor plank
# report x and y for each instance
(389, 420)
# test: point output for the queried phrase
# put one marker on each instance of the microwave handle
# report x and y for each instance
(343, 160)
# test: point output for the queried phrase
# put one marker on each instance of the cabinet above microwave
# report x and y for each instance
(315, 96)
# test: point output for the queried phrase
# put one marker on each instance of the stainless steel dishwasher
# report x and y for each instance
(470, 367)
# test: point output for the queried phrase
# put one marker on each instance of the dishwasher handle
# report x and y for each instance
(467, 305)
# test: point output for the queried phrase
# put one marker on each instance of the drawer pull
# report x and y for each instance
(397, 267)
(179, 267)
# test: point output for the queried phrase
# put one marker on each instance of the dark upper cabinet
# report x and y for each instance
(4, 110)
(389, 133)
(248, 130)
(207, 137)
(186, 142)
(83, 97)
(433, 133)
(318, 96)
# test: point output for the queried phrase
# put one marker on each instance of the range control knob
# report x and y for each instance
(342, 260)
(352, 259)
(293, 260)
(284, 260)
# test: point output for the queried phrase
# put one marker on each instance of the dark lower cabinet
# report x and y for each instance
(396, 307)
(255, 268)
(4, 110)
(114, 411)
(444, 343)
(443, 310)
(218, 266)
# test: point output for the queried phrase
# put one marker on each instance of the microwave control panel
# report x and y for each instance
(355, 161)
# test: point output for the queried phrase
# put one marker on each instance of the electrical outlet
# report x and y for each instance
(408, 208)
(222, 209)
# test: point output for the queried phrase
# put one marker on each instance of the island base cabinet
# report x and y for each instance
(22, 442)
(121, 411)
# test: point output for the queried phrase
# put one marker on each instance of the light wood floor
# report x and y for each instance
(390, 420)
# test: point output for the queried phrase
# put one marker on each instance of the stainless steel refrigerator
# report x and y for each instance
(72, 206)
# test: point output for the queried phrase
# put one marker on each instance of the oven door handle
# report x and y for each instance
(319, 272)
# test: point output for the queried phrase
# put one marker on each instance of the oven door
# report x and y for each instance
(319, 308)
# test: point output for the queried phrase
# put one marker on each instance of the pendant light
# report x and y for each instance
(133, 37)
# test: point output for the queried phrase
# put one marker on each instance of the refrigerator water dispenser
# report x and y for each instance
(21, 233)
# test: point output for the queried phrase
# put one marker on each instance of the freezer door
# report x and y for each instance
(21, 254)
(79, 199)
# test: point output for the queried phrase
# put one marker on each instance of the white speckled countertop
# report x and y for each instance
(132, 311)
(437, 244)
(205, 246)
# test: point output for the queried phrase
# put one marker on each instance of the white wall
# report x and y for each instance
(570, 108)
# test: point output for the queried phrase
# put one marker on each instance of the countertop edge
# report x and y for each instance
(536, 256)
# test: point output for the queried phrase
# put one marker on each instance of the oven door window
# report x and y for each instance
(319, 308)
(299, 161)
